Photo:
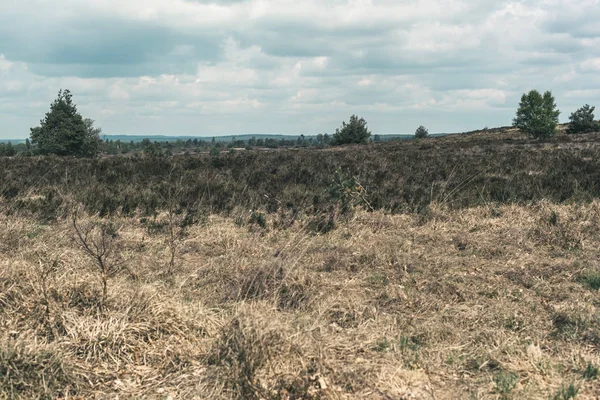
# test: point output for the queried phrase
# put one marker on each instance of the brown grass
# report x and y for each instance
(481, 303)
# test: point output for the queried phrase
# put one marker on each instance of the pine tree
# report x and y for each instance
(355, 131)
(421, 132)
(582, 120)
(64, 132)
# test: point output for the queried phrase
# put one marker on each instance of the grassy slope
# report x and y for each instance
(485, 302)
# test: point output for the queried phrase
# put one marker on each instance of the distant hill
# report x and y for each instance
(13, 141)
(229, 138)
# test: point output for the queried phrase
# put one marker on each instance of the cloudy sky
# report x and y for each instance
(200, 67)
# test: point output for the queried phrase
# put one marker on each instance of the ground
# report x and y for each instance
(494, 301)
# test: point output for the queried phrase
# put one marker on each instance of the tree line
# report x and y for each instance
(64, 132)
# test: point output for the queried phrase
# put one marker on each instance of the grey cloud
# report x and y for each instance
(581, 25)
(94, 47)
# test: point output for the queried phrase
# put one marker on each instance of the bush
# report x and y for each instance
(537, 115)
(355, 131)
(582, 121)
(421, 132)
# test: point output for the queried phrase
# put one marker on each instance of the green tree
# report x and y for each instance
(91, 142)
(355, 131)
(7, 150)
(582, 120)
(537, 115)
(151, 149)
(64, 132)
(421, 132)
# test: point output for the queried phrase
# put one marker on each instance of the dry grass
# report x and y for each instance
(484, 303)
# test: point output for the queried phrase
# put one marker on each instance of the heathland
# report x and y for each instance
(454, 267)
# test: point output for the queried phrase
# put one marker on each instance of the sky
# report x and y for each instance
(221, 67)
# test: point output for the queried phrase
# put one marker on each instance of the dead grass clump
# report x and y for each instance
(558, 231)
(343, 317)
(334, 258)
(321, 223)
(240, 353)
(12, 293)
(12, 235)
(270, 281)
(34, 372)
(84, 297)
(98, 341)
(293, 295)
(260, 282)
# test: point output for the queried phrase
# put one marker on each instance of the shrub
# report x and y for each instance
(421, 132)
(537, 115)
(582, 120)
(355, 131)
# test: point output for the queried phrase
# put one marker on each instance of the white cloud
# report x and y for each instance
(220, 67)
(592, 64)
(5, 65)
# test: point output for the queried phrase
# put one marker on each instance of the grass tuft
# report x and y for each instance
(34, 373)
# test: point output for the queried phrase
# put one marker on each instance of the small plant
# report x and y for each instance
(591, 280)
(98, 241)
(566, 392)
(409, 347)
(381, 345)
(379, 280)
(553, 219)
(258, 218)
(179, 219)
(412, 343)
(505, 383)
(47, 270)
(348, 192)
(591, 372)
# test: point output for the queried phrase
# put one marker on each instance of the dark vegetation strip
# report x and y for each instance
(399, 177)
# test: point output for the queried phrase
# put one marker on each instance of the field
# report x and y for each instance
(459, 267)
